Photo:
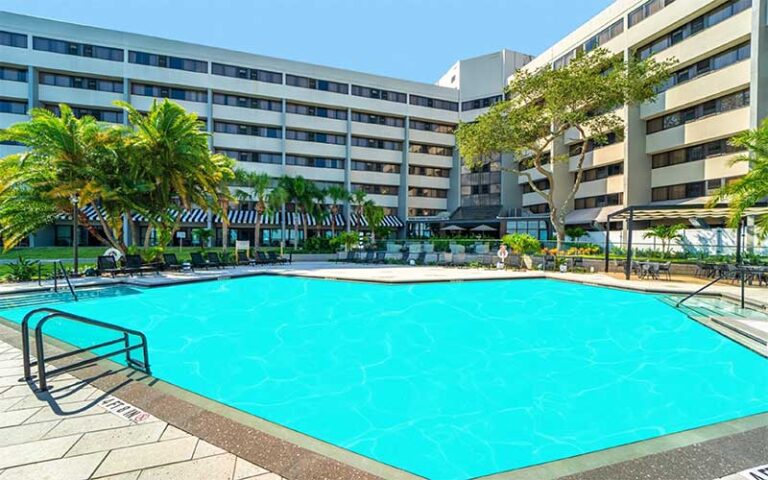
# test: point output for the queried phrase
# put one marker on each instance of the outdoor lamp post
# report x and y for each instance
(75, 200)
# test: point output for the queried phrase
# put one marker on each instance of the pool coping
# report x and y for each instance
(296, 455)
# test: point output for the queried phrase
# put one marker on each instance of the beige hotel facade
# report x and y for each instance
(393, 138)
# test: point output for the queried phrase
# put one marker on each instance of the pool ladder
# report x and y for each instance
(50, 314)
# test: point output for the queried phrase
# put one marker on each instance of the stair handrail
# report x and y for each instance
(52, 313)
(689, 296)
(59, 264)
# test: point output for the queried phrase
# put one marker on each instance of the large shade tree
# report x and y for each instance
(545, 103)
(752, 188)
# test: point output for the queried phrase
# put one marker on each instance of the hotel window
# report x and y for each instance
(431, 149)
(360, 165)
(711, 64)
(315, 84)
(11, 39)
(599, 173)
(434, 103)
(13, 74)
(246, 73)
(432, 126)
(79, 49)
(377, 143)
(713, 107)
(378, 119)
(16, 107)
(427, 192)
(85, 83)
(481, 103)
(251, 156)
(247, 102)
(429, 171)
(424, 212)
(616, 29)
(610, 139)
(165, 61)
(315, 111)
(376, 189)
(316, 162)
(159, 91)
(599, 201)
(379, 94)
(567, 58)
(317, 137)
(109, 116)
(542, 185)
(245, 129)
(679, 192)
(539, 208)
(693, 153)
(527, 163)
(701, 23)
(646, 10)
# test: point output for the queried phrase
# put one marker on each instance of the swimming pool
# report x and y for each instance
(445, 380)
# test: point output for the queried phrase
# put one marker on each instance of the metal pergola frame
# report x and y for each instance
(671, 212)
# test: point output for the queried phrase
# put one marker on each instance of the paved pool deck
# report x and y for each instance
(107, 422)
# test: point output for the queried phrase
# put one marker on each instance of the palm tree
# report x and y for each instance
(374, 215)
(338, 195)
(170, 151)
(276, 200)
(752, 187)
(298, 191)
(358, 199)
(66, 158)
(258, 185)
(665, 234)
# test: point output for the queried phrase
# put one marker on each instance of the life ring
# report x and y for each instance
(113, 252)
(502, 253)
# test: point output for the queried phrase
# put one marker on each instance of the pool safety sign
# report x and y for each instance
(125, 410)
(757, 473)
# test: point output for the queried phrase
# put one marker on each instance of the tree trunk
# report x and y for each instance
(559, 225)
(257, 232)
(147, 236)
(133, 230)
(333, 222)
(305, 227)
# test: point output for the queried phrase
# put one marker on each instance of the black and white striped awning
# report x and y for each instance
(199, 216)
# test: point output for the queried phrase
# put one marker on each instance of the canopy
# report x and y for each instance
(483, 228)
(452, 228)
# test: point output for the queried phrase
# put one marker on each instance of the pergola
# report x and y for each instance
(674, 212)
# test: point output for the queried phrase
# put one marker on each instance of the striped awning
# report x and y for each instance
(391, 221)
(248, 217)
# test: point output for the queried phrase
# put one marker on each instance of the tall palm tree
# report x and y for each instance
(276, 200)
(66, 158)
(374, 215)
(358, 199)
(258, 191)
(752, 187)
(338, 195)
(298, 191)
(170, 151)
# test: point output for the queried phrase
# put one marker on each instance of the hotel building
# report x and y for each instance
(394, 138)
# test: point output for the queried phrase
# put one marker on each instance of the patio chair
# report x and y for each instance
(650, 270)
(197, 261)
(275, 258)
(666, 270)
(351, 256)
(243, 259)
(381, 257)
(262, 258)
(134, 264)
(576, 264)
(421, 258)
(170, 262)
(405, 256)
(214, 260)
(370, 255)
(515, 262)
(550, 261)
(106, 264)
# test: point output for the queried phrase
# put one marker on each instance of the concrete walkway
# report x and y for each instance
(79, 432)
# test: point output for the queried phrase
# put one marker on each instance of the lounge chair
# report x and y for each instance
(275, 258)
(106, 264)
(351, 256)
(134, 264)
(214, 260)
(381, 257)
(242, 258)
(170, 262)
(515, 262)
(421, 258)
(262, 258)
(198, 261)
(370, 255)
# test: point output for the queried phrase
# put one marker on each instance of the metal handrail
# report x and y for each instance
(39, 345)
(719, 277)
(56, 265)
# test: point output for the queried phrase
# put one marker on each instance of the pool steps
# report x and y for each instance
(47, 298)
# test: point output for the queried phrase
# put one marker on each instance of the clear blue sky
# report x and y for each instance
(411, 39)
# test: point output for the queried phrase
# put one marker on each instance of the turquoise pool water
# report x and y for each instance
(448, 381)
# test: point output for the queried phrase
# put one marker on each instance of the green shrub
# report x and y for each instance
(520, 243)
(22, 270)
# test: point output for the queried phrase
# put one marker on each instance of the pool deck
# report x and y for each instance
(74, 432)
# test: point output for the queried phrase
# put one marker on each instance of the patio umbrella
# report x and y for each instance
(483, 228)
(452, 228)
